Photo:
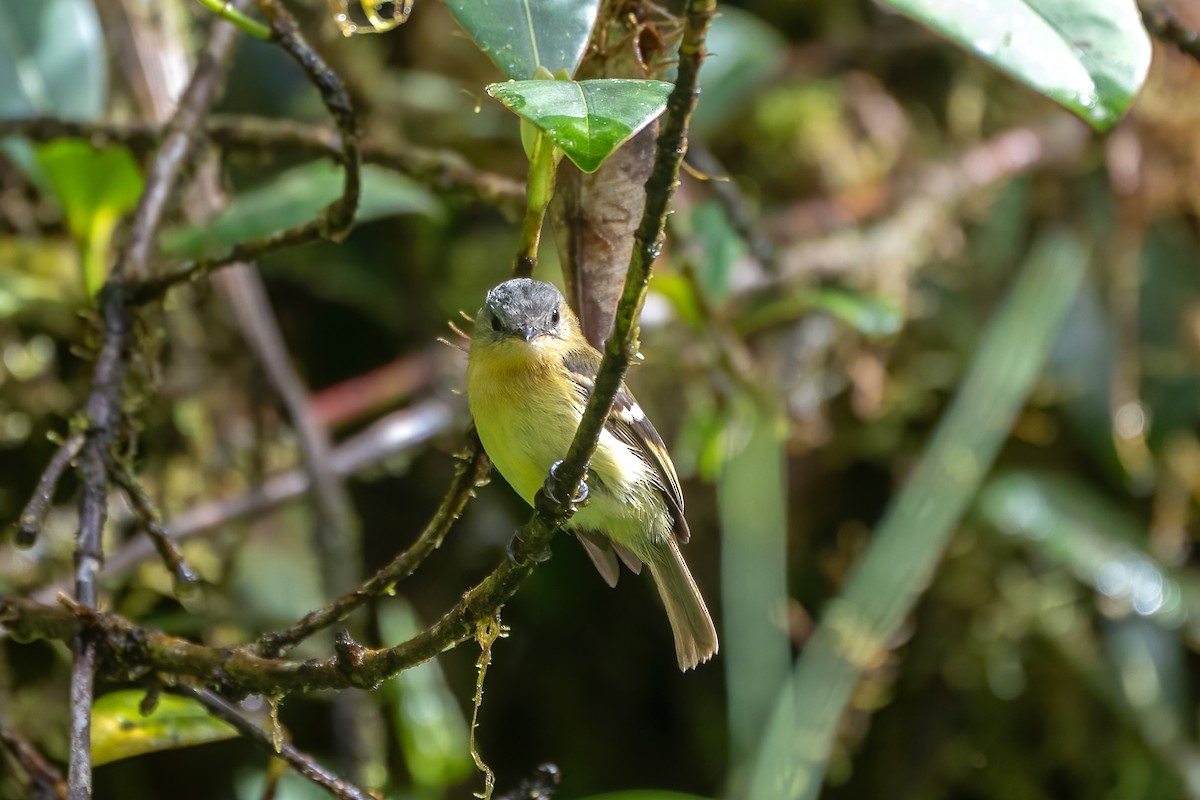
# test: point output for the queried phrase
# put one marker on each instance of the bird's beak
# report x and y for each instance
(528, 332)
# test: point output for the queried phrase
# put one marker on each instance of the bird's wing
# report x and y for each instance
(630, 424)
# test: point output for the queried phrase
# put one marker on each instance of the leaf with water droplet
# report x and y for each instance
(587, 120)
(1090, 56)
(531, 33)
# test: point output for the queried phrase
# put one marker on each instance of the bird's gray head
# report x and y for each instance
(523, 308)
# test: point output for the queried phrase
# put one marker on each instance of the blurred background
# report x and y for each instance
(904, 222)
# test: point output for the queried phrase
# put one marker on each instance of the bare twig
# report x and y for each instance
(396, 433)
(47, 782)
(622, 344)
(471, 473)
(442, 170)
(303, 763)
(1163, 25)
(150, 521)
(35, 510)
(104, 402)
(337, 536)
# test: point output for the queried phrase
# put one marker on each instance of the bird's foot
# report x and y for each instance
(581, 495)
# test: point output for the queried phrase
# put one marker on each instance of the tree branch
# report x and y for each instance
(150, 521)
(442, 170)
(1164, 26)
(393, 434)
(46, 780)
(303, 763)
(35, 510)
(472, 472)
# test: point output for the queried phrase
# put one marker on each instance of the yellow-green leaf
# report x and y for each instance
(119, 730)
(95, 187)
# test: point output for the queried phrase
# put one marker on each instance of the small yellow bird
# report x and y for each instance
(529, 374)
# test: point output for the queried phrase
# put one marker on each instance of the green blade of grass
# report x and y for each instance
(854, 631)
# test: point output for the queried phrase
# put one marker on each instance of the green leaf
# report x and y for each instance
(645, 794)
(119, 730)
(1091, 56)
(587, 120)
(95, 188)
(52, 62)
(293, 198)
(521, 35)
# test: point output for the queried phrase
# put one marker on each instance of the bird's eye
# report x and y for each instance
(495, 323)
(554, 317)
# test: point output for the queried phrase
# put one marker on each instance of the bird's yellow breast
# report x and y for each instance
(527, 411)
(524, 416)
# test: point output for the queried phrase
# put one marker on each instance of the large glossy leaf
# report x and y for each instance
(521, 35)
(119, 730)
(587, 120)
(1089, 55)
(294, 197)
(95, 188)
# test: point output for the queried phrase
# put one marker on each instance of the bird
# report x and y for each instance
(530, 372)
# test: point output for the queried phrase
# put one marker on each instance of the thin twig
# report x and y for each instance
(1165, 26)
(104, 402)
(442, 170)
(303, 763)
(150, 521)
(337, 535)
(34, 514)
(472, 471)
(47, 781)
(396, 433)
(336, 219)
